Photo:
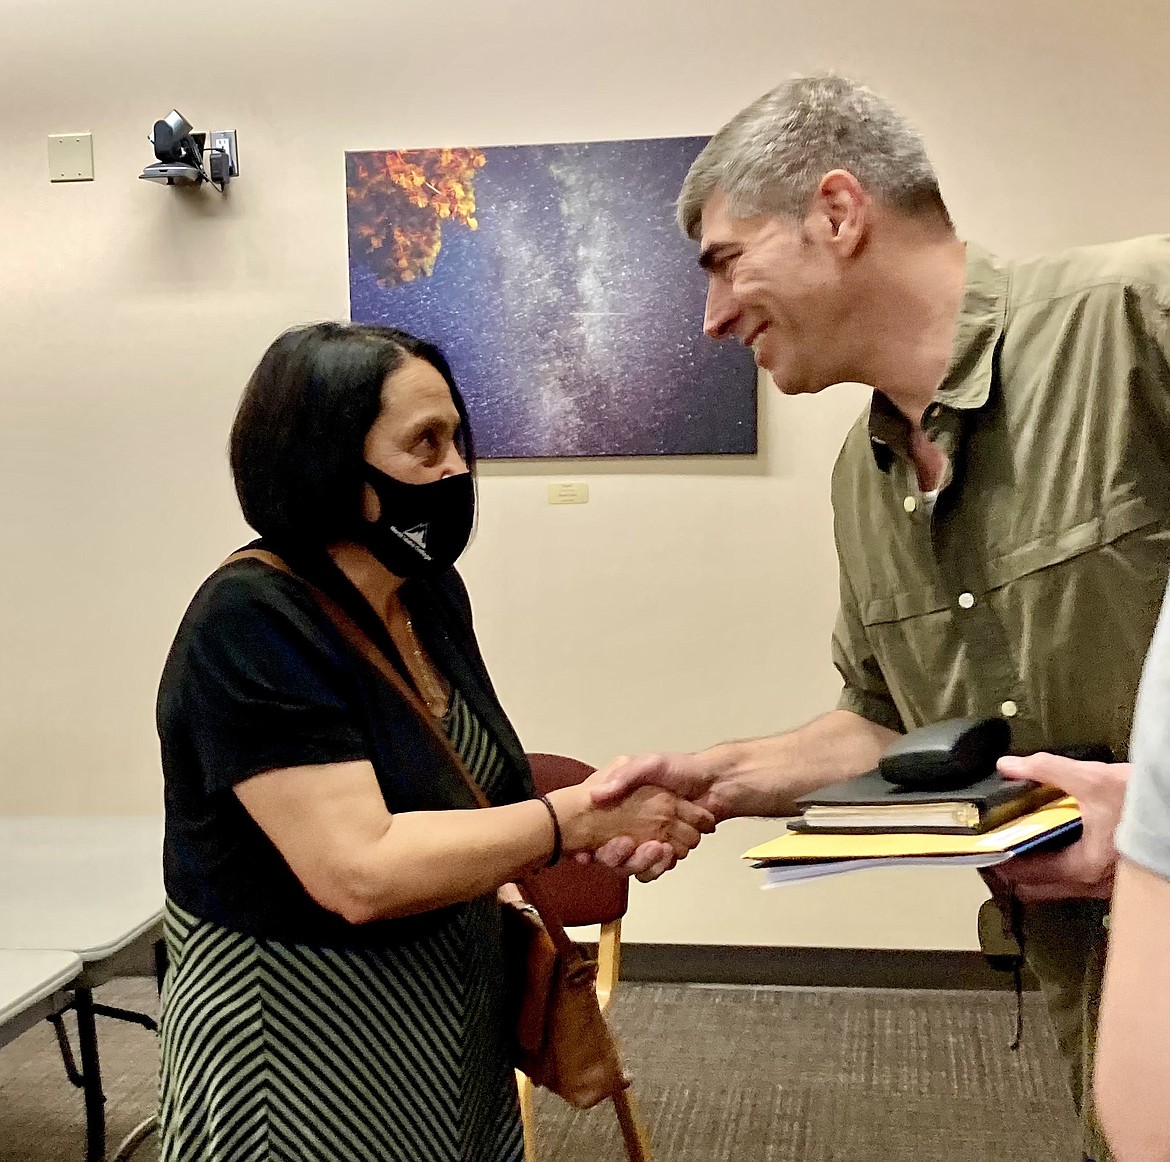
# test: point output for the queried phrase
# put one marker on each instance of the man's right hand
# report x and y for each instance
(689, 776)
(760, 776)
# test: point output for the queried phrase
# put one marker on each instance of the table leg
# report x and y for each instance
(57, 1020)
(91, 1072)
(128, 1015)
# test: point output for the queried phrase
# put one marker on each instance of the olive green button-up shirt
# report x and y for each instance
(1032, 589)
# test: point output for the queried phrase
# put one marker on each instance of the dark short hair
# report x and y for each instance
(297, 443)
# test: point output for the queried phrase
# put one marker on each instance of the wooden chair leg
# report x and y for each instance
(609, 961)
(634, 1135)
(527, 1114)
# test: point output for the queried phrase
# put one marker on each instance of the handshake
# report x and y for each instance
(639, 815)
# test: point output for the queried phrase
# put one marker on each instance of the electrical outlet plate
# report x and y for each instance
(71, 157)
(225, 139)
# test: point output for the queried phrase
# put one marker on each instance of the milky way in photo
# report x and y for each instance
(572, 315)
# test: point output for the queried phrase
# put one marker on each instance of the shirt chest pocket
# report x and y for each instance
(960, 579)
(902, 606)
(912, 637)
(1052, 549)
(966, 637)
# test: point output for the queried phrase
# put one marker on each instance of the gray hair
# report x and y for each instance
(770, 157)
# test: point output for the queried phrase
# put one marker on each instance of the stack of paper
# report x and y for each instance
(799, 855)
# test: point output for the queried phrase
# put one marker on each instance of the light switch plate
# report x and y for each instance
(568, 494)
(71, 157)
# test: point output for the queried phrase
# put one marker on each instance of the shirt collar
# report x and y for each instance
(967, 383)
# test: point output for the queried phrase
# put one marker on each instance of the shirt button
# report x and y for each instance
(966, 600)
(910, 504)
(1009, 709)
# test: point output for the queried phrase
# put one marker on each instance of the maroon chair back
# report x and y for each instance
(593, 894)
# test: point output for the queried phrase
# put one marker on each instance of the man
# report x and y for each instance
(1001, 511)
(1133, 1066)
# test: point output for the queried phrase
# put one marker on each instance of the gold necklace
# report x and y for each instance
(429, 685)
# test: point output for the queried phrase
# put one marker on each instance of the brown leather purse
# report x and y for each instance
(562, 1041)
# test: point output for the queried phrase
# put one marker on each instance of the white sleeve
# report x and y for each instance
(1144, 834)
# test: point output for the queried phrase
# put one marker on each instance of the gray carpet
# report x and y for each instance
(754, 1075)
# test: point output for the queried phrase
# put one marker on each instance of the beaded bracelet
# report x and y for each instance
(555, 857)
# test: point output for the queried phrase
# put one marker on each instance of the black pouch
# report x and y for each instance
(1001, 939)
(1001, 929)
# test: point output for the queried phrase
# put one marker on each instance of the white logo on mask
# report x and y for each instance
(417, 536)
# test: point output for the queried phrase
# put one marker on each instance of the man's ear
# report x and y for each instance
(839, 211)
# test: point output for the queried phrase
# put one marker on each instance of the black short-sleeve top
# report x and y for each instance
(259, 679)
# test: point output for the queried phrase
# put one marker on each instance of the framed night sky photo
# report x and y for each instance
(556, 282)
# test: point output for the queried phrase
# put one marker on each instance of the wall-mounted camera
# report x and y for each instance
(183, 156)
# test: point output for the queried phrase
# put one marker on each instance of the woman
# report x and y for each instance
(335, 984)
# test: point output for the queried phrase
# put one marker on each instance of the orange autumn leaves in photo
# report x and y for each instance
(399, 202)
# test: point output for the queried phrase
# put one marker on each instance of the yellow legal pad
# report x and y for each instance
(800, 846)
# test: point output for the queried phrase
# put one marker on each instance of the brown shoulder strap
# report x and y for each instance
(360, 640)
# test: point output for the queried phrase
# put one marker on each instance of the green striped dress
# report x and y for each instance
(282, 1052)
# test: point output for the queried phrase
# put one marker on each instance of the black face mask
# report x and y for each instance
(422, 528)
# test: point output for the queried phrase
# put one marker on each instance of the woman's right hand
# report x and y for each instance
(646, 814)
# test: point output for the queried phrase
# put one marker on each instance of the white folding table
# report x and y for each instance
(32, 987)
(92, 887)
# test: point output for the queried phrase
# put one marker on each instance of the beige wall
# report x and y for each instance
(689, 600)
